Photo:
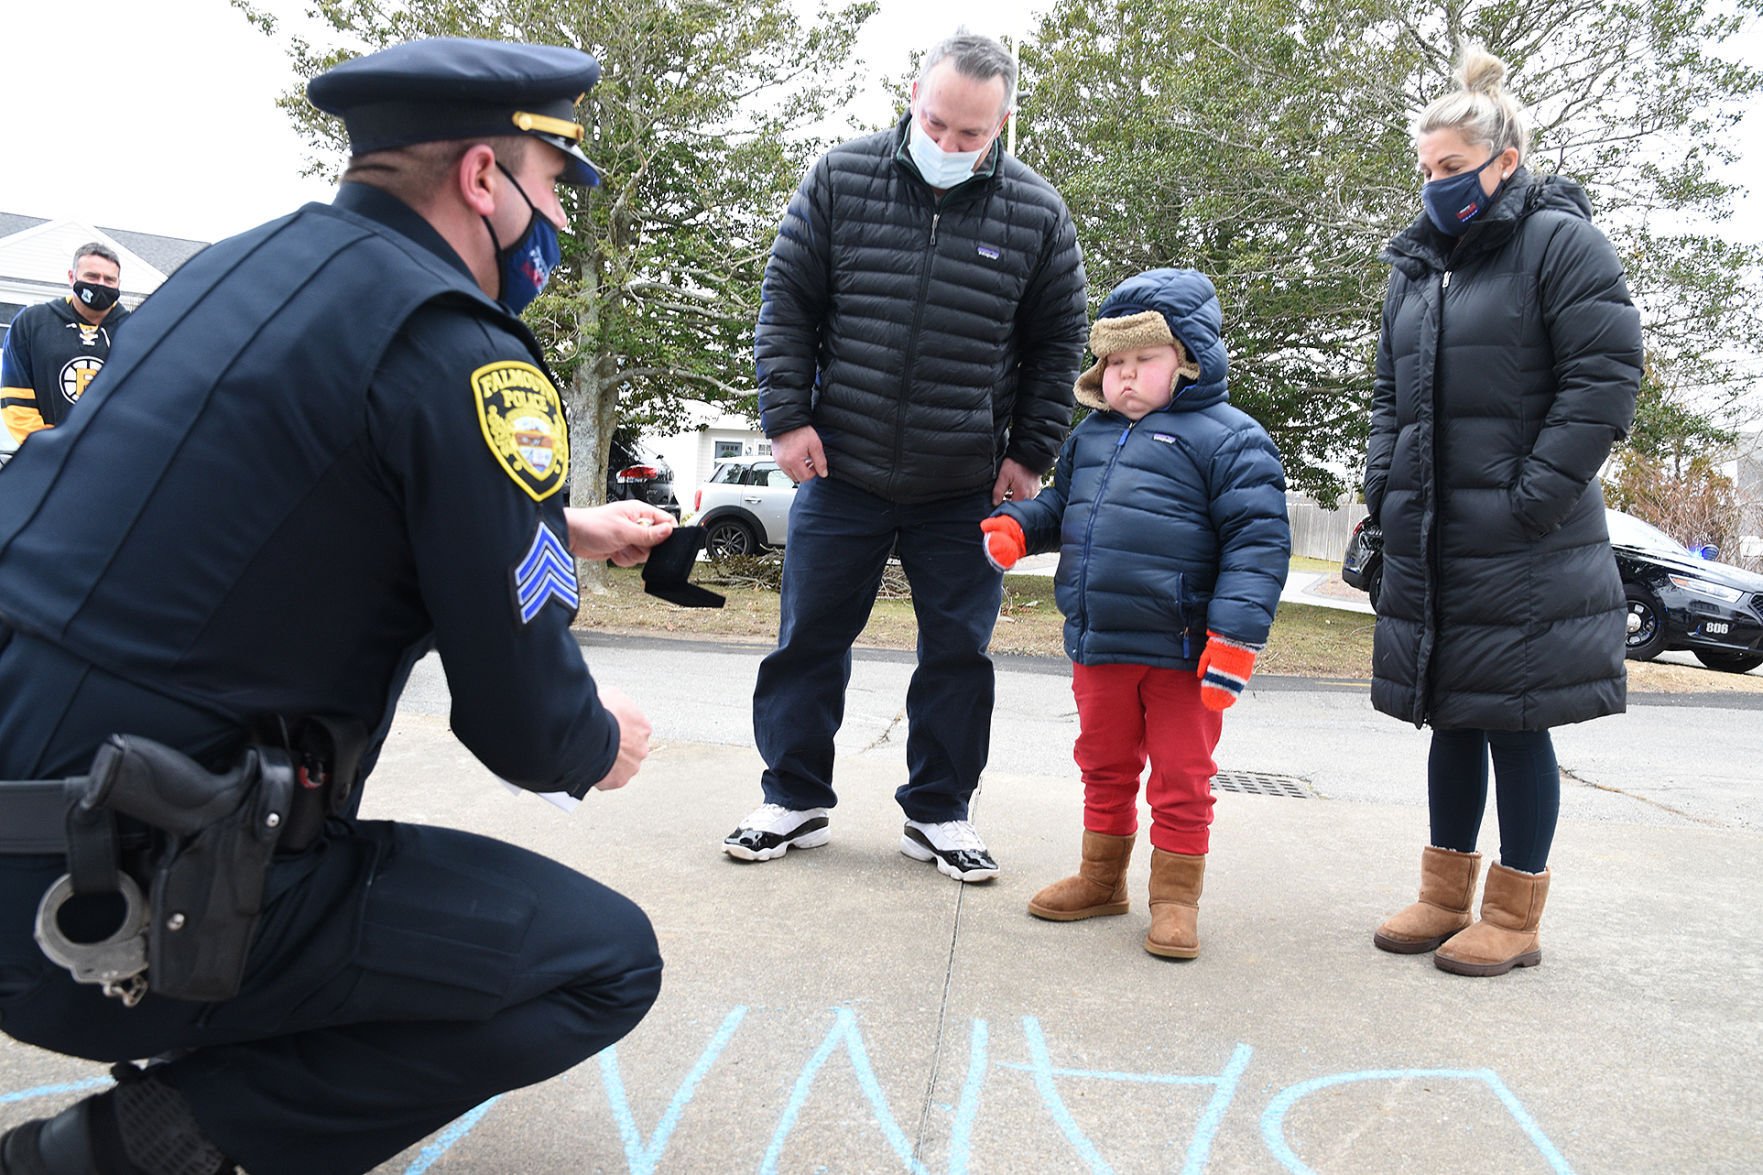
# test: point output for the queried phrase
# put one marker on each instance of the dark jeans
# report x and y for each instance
(1527, 792)
(839, 542)
(400, 975)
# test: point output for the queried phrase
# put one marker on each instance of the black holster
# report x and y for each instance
(211, 839)
(326, 754)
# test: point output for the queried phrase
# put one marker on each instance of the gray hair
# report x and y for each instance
(1479, 108)
(94, 249)
(977, 57)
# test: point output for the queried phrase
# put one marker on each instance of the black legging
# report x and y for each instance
(1527, 792)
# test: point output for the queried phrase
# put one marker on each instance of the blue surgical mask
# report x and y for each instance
(525, 266)
(1453, 203)
(940, 168)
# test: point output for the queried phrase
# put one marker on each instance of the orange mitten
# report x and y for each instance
(1004, 541)
(1224, 670)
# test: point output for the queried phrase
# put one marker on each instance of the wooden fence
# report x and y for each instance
(1321, 531)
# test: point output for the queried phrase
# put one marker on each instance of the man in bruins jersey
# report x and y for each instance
(54, 348)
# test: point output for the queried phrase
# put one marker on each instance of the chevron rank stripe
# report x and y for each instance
(545, 573)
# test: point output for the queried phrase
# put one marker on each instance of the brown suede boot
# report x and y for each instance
(1176, 881)
(1099, 886)
(1447, 891)
(1506, 937)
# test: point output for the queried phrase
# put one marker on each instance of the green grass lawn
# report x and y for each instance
(1307, 641)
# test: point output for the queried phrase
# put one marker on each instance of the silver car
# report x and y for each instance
(744, 507)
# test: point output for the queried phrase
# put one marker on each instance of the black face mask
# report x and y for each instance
(96, 297)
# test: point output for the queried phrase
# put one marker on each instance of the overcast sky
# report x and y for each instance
(159, 115)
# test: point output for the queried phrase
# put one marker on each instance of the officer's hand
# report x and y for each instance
(1016, 481)
(799, 454)
(620, 531)
(633, 738)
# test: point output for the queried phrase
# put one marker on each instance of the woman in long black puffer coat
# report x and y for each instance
(1508, 366)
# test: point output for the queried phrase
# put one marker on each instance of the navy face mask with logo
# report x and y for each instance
(525, 266)
(1453, 203)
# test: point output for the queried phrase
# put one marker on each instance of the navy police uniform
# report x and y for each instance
(325, 453)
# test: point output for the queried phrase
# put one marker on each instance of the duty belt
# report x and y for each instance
(200, 842)
(33, 815)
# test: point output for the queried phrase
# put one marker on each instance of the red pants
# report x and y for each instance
(1125, 712)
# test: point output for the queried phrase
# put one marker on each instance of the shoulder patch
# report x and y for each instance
(545, 573)
(523, 422)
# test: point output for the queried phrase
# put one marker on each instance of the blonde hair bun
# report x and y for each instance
(1480, 108)
(1479, 71)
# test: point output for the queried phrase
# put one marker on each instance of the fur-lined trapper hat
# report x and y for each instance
(1161, 307)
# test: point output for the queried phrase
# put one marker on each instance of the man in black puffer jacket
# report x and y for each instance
(922, 321)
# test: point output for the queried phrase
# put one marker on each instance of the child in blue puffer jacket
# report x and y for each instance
(1168, 509)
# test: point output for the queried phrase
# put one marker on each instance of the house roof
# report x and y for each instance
(163, 253)
(34, 254)
(13, 222)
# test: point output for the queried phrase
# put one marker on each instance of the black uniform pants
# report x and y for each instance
(401, 975)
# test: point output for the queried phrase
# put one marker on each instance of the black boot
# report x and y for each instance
(142, 1127)
(61, 1145)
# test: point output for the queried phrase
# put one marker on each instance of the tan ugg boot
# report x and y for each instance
(1099, 886)
(1176, 881)
(1447, 891)
(1506, 937)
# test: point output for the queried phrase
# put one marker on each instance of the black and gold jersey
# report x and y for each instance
(49, 360)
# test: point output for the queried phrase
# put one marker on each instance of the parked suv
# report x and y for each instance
(744, 507)
(634, 474)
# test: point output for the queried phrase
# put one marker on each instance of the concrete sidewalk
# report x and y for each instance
(848, 1009)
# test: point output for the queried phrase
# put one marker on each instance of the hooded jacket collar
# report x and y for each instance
(1420, 248)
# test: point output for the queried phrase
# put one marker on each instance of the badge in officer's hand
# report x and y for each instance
(669, 566)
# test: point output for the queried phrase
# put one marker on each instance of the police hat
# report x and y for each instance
(456, 88)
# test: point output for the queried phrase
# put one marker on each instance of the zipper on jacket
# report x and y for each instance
(1445, 285)
(1083, 579)
(912, 346)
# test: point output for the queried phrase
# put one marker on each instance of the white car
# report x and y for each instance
(744, 507)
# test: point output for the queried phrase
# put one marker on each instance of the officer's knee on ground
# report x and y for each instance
(639, 964)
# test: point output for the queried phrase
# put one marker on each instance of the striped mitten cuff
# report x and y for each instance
(1225, 666)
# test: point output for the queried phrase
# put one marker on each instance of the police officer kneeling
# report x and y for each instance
(323, 448)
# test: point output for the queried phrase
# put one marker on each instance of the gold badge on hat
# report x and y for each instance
(522, 419)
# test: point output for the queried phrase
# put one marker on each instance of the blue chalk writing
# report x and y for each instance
(961, 1135)
(461, 1126)
(844, 1031)
(1041, 1065)
(1199, 1149)
(25, 1095)
(1273, 1118)
(643, 1156)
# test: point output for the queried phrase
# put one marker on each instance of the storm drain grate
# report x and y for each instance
(1262, 783)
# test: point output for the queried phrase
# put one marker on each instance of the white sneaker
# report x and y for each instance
(954, 845)
(771, 831)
